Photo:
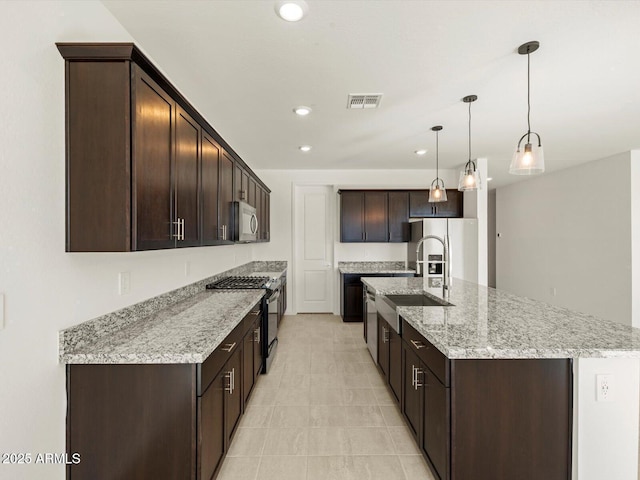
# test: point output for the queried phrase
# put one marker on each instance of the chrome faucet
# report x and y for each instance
(447, 262)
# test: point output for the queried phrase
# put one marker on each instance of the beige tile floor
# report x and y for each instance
(323, 412)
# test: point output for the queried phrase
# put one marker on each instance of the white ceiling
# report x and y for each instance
(245, 69)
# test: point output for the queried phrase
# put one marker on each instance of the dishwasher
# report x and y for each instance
(371, 317)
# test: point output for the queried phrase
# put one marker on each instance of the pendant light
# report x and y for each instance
(469, 177)
(437, 192)
(530, 159)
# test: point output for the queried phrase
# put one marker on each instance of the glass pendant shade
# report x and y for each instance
(437, 193)
(527, 160)
(469, 179)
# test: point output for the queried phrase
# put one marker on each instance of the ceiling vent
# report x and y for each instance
(364, 100)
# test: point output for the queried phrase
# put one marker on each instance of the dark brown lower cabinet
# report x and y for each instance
(211, 438)
(352, 294)
(487, 418)
(152, 421)
(390, 357)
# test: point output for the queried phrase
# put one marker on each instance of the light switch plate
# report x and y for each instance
(124, 283)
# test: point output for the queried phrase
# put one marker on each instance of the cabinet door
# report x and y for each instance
(259, 213)
(233, 393)
(267, 218)
(419, 205)
(247, 365)
(153, 156)
(376, 227)
(225, 198)
(383, 346)
(210, 180)
(352, 217)
(453, 207)
(211, 428)
(435, 441)
(353, 302)
(252, 192)
(238, 193)
(412, 393)
(257, 347)
(399, 217)
(395, 364)
(187, 166)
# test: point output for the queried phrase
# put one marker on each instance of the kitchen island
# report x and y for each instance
(501, 386)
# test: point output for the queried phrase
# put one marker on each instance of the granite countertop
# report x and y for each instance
(186, 332)
(181, 326)
(373, 267)
(488, 323)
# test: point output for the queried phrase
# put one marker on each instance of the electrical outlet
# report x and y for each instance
(124, 283)
(604, 388)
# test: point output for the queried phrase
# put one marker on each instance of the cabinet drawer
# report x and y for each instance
(214, 362)
(437, 362)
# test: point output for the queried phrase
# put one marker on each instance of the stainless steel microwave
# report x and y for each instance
(245, 222)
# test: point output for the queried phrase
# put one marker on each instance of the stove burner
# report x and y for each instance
(239, 283)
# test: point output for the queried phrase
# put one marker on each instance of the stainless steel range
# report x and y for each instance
(269, 307)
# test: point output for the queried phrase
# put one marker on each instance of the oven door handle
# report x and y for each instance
(274, 296)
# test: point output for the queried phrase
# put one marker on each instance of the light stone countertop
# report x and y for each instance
(488, 323)
(186, 332)
(364, 268)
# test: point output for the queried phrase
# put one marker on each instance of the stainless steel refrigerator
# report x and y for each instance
(462, 237)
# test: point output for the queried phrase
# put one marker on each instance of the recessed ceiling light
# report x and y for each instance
(305, 148)
(292, 10)
(420, 152)
(302, 110)
(489, 179)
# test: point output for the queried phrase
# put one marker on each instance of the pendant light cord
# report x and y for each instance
(528, 96)
(469, 131)
(437, 150)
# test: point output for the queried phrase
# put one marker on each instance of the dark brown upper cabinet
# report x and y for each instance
(419, 206)
(144, 169)
(374, 216)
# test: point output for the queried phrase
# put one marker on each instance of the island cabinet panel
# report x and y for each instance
(487, 418)
(511, 419)
(132, 421)
(395, 364)
(383, 346)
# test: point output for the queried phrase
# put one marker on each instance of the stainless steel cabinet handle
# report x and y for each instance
(229, 347)
(418, 344)
(418, 384)
(233, 379)
(413, 376)
(229, 376)
(177, 234)
(182, 229)
(256, 335)
(385, 335)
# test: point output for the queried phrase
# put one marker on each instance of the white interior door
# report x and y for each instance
(313, 244)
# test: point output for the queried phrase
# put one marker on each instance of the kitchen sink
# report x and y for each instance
(417, 300)
(386, 306)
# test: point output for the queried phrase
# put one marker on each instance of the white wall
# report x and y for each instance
(45, 288)
(635, 236)
(281, 183)
(557, 232)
